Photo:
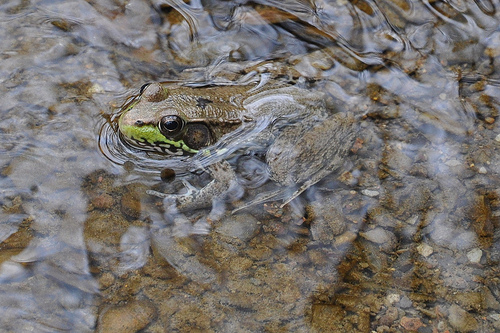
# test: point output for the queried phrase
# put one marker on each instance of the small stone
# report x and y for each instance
(96, 88)
(475, 255)
(106, 280)
(411, 324)
(453, 163)
(461, 320)
(495, 316)
(482, 170)
(346, 238)
(489, 120)
(379, 236)
(424, 250)
(412, 220)
(490, 301)
(129, 318)
(323, 64)
(405, 302)
(497, 138)
(328, 220)
(327, 318)
(393, 298)
(370, 193)
(390, 316)
(103, 201)
(131, 205)
(241, 226)
(442, 96)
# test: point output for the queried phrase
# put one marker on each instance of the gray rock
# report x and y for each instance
(378, 236)
(242, 226)
(329, 220)
(461, 320)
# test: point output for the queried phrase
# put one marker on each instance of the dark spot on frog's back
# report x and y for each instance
(203, 102)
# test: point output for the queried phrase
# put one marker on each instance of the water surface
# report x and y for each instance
(405, 238)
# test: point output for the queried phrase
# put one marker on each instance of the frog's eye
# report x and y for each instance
(171, 125)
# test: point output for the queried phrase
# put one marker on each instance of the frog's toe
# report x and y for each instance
(190, 188)
(157, 194)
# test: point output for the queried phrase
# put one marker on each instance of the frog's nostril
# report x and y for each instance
(139, 123)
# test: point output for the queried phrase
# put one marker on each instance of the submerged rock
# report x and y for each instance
(461, 320)
(129, 318)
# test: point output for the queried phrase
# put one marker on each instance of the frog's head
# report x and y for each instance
(153, 121)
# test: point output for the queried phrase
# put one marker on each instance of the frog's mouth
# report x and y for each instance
(148, 137)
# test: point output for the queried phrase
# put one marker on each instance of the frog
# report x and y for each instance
(301, 139)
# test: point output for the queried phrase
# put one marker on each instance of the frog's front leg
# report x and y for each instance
(223, 187)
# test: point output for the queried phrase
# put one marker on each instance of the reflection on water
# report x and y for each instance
(401, 237)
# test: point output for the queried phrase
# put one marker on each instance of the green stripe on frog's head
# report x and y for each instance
(149, 137)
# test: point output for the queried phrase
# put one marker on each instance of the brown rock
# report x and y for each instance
(131, 205)
(390, 316)
(129, 318)
(411, 324)
(103, 201)
(327, 318)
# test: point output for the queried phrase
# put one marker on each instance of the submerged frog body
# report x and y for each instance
(302, 140)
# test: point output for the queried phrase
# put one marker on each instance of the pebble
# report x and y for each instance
(405, 302)
(412, 220)
(452, 163)
(327, 318)
(103, 201)
(497, 138)
(328, 222)
(129, 318)
(411, 324)
(131, 205)
(370, 193)
(378, 236)
(241, 226)
(345, 238)
(482, 170)
(424, 250)
(393, 298)
(475, 255)
(461, 320)
(106, 280)
(390, 316)
(495, 316)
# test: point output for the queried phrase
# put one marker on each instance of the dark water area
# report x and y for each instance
(401, 236)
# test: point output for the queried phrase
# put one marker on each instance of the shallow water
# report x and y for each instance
(404, 237)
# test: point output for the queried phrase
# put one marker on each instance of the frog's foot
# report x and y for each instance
(281, 194)
(181, 225)
(190, 190)
(221, 189)
(313, 180)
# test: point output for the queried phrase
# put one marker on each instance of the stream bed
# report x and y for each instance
(402, 238)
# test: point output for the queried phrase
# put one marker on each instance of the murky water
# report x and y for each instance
(402, 237)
